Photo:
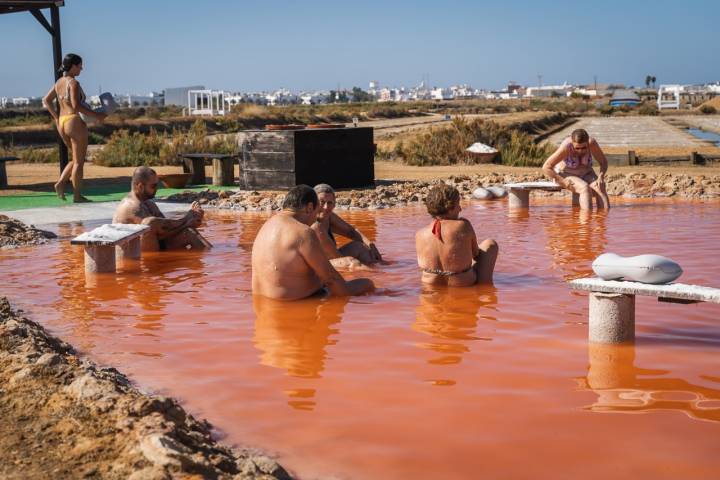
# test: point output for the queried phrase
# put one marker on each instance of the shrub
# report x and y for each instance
(125, 149)
(708, 109)
(521, 151)
(446, 146)
(606, 110)
(95, 139)
(648, 109)
(32, 155)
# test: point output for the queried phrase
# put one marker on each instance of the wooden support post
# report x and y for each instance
(632, 158)
(612, 318)
(3, 175)
(196, 166)
(224, 171)
(57, 62)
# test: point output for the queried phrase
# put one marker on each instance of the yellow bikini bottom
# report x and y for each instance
(65, 118)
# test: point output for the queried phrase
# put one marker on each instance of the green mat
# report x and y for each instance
(96, 194)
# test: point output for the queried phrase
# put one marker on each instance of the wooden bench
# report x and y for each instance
(519, 193)
(223, 167)
(101, 245)
(612, 304)
(3, 171)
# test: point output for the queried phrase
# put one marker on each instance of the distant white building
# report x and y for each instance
(315, 98)
(549, 91)
(3, 102)
(668, 96)
(20, 101)
(133, 100)
(178, 95)
(590, 92)
(441, 94)
(206, 102)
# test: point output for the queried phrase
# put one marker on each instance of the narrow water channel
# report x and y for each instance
(705, 135)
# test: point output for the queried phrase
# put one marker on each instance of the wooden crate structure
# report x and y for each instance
(281, 159)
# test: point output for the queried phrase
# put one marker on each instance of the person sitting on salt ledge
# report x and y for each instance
(164, 234)
(359, 252)
(288, 262)
(571, 167)
(447, 250)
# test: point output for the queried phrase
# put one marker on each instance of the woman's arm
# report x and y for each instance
(549, 166)
(48, 103)
(599, 155)
(78, 105)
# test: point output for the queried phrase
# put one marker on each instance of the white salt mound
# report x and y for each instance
(481, 193)
(653, 269)
(498, 192)
(480, 148)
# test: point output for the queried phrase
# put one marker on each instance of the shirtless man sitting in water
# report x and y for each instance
(447, 249)
(356, 254)
(288, 262)
(164, 234)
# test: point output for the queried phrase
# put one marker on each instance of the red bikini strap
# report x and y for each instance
(436, 229)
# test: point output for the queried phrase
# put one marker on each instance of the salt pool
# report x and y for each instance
(413, 382)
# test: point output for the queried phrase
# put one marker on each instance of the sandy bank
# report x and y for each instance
(64, 417)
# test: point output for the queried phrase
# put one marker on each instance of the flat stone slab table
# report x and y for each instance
(100, 245)
(612, 304)
(519, 193)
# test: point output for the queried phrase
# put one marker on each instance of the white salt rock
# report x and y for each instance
(480, 148)
(481, 193)
(498, 192)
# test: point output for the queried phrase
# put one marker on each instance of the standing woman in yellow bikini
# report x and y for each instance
(73, 130)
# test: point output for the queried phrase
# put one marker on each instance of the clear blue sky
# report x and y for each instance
(139, 46)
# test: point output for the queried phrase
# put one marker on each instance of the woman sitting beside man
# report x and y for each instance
(356, 254)
(447, 249)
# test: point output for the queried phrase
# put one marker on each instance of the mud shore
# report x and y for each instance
(14, 233)
(65, 417)
(397, 194)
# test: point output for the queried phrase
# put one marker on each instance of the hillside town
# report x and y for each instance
(200, 100)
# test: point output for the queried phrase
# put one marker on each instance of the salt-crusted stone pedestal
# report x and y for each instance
(612, 304)
(519, 193)
(110, 243)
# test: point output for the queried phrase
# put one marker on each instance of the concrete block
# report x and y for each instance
(99, 259)
(612, 318)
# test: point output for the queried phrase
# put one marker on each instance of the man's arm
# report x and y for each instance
(346, 230)
(309, 247)
(133, 212)
(549, 166)
(327, 245)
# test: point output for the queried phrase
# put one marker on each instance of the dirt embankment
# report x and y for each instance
(394, 194)
(63, 417)
(14, 233)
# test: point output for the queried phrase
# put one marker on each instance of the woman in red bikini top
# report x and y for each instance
(447, 249)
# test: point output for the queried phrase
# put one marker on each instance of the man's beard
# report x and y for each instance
(147, 196)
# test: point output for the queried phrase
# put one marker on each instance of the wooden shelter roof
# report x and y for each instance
(7, 6)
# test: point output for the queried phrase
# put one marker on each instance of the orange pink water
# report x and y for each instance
(411, 382)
